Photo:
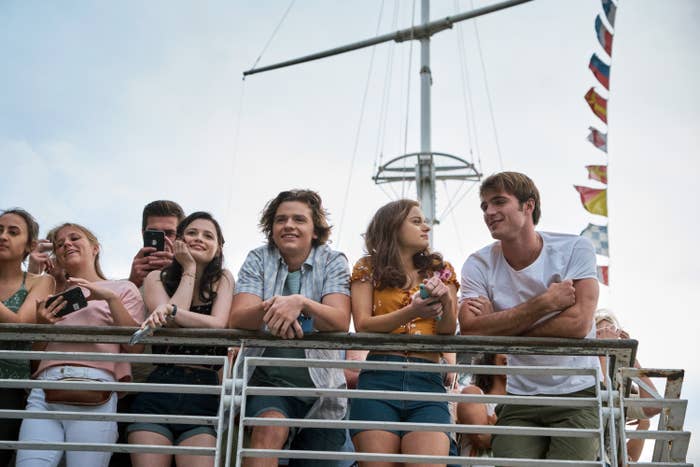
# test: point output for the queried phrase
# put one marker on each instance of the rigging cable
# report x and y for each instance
(408, 97)
(274, 33)
(359, 128)
(488, 93)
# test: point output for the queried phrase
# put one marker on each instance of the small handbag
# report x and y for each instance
(77, 396)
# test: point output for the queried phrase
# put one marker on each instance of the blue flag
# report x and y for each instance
(598, 235)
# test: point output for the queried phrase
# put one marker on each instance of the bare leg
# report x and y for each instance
(380, 442)
(432, 443)
(267, 437)
(201, 441)
(141, 459)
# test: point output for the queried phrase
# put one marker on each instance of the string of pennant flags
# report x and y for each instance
(595, 200)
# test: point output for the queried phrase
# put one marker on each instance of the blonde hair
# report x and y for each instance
(51, 236)
(604, 314)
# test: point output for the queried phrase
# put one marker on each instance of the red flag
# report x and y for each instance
(598, 105)
(595, 200)
(603, 274)
(598, 172)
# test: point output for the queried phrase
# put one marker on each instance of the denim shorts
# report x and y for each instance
(397, 410)
(176, 403)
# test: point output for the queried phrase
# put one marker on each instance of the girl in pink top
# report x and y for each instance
(110, 303)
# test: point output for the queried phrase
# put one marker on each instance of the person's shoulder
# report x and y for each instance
(486, 254)
(39, 280)
(122, 286)
(328, 255)
(564, 241)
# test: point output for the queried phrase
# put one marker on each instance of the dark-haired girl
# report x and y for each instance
(385, 298)
(195, 291)
(19, 292)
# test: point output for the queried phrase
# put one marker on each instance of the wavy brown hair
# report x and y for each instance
(382, 245)
(319, 215)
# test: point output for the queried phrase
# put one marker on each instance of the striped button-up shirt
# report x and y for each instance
(324, 272)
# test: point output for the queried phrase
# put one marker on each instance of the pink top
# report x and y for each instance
(97, 314)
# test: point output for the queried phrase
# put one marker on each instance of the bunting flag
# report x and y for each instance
(600, 70)
(610, 9)
(595, 200)
(598, 235)
(604, 36)
(603, 274)
(598, 139)
(598, 104)
(598, 172)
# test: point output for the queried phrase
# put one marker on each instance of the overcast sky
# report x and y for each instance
(106, 106)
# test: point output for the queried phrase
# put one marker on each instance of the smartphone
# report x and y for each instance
(75, 300)
(154, 238)
(423, 291)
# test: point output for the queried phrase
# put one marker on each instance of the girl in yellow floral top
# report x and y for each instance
(385, 298)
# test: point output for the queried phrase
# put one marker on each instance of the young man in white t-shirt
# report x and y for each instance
(538, 284)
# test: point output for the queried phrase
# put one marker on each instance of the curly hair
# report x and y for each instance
(170, 276)
(382, 245)
(319, 215)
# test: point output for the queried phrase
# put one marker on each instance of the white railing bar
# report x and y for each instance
(362, 456)
(423, 367)
(116, 417)
(637, 402)
(405, 426)
(549, 401)
(106, 447)
(654, 434)
(661, 464)
(111, 386)
(226, 397)
(113, 357)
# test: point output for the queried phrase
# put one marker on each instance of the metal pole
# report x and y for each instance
(425, 170)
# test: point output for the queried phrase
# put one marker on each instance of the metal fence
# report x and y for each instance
(670, 448)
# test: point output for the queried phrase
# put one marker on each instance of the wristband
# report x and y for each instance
(173, 312)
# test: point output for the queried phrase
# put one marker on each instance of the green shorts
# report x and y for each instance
(546, 447)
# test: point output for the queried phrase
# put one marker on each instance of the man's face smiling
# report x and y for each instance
(504, 216)
(293, 229)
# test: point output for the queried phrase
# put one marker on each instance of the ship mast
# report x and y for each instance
(429, 166)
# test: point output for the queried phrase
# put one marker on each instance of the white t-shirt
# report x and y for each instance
(563, 256)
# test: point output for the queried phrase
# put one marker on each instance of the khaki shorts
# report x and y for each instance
(546, 447)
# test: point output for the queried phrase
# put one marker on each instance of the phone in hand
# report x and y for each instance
(423, 291)
(75, 300)
(155, 239)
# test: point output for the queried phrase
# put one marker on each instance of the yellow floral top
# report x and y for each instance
(391, 299)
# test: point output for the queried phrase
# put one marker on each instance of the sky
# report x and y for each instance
(106, 106)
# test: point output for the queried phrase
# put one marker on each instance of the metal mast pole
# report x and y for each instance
(425, 169)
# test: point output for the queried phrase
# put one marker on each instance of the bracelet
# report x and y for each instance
(172, 314)
(189, 274)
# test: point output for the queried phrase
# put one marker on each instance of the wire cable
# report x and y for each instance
(274, 33)
(408, 97)
(359, 129)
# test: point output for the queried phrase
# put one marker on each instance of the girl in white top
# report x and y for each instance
(475, 413)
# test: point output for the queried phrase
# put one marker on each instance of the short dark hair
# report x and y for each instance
(517, 184)
(319, 215)
(32, 226)
(161, 208)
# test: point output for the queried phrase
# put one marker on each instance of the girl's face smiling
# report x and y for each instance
(414, 231)
(73, 248)
(202, 240)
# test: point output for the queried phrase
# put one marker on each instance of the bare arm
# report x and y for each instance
(246, 312)
(219, 317)
(448, 322)
(515, 321)
(332, 314)
(362, 305)
(154, 293)
(574, 321)
(41, 287)
(475, 413)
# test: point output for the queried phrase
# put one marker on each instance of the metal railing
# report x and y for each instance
(671, 446)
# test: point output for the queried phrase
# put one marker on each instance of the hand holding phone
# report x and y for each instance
(75, 300)
(155, 239)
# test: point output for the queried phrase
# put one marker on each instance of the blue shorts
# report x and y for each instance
(397, 410)
(177, 404)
